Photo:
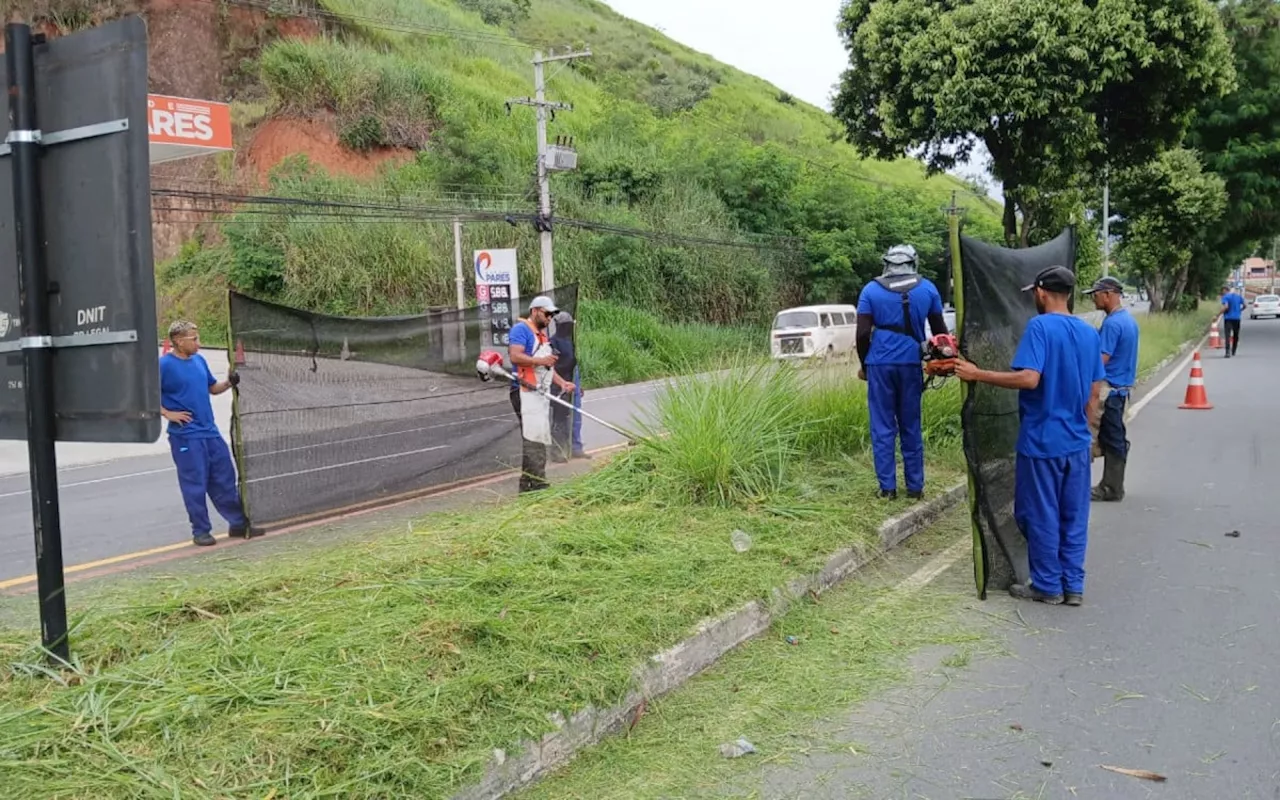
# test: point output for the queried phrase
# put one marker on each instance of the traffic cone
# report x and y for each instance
(239, 353)
(167, 347)
(1196, 398)
(1215, 343)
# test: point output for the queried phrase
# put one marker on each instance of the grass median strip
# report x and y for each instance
(787, 691)
(395, 667)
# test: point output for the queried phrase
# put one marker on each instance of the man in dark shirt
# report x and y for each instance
(562, 346)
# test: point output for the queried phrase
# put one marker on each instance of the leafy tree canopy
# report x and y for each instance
(1169, 205)
(1239, 134)
(1053, 89)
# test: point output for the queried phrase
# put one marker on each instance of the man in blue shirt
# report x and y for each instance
(1057, 370)
(201, 456)
(892, 311)
(1119, 336)
(1232, 310)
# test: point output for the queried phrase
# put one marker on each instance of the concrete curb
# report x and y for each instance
(670, 669)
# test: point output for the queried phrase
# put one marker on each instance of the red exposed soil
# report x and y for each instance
(277, 139)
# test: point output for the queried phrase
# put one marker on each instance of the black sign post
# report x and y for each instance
(78, 342)
(37, 338)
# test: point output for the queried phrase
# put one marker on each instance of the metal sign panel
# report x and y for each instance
(93, 115)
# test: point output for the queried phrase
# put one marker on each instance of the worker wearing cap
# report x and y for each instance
(1119, 336)
(1058, 372)
(203, 461)
(529, 349)
(892, 311)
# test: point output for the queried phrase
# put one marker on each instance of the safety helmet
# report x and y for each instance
(901, 259)
(900, 255)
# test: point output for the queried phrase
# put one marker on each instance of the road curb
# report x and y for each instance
(670, 669)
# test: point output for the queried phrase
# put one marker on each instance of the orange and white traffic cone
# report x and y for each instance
(239, 353)
(1196, 397)
(1215, 343)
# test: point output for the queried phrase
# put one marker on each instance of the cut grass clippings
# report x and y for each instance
(394, 667)
(786, 699)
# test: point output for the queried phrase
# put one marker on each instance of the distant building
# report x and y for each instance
(1257, 268)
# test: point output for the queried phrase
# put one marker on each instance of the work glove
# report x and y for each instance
(233, 378)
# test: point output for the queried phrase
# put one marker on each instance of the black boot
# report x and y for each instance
(1117, 480)
(533, 468)
(1111, 488)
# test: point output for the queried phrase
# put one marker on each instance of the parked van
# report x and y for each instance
(809, 331)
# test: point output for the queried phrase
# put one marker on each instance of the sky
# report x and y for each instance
(793, 45)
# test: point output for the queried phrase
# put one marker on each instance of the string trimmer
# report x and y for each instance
(489, 365)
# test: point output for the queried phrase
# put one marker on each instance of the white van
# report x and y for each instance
(808, 331)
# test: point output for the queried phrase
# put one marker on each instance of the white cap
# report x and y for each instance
(543, 302)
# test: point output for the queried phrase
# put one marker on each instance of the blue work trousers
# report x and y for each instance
(1051, 507)
(205, 469)
(1111, 431)
(577, 416)
(894, 395)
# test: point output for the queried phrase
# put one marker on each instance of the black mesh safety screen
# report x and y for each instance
(338, 413)
(992, 312)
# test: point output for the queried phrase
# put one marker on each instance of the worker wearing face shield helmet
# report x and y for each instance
(892, 312)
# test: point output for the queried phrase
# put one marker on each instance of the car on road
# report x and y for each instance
(1265, 305)
(814, 331)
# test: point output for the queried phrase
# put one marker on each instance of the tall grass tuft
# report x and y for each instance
(726, 439)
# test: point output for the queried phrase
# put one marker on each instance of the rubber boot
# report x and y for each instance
(1115, 481)
(1111, 488)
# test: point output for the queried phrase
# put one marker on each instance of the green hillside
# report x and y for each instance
(670, 141)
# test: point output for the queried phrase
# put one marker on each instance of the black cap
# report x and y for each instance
(1105, 285)
(1058, 280)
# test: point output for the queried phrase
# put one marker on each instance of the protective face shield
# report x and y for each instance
(900, 260)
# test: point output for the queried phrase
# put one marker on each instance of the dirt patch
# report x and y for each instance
(277, 139)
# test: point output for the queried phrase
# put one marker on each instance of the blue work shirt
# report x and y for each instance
(1234, 304)
(1120, 343)
(1067, 352)
(885, 307)
(184, 386)
(521, 334)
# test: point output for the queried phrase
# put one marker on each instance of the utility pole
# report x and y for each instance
(544, 109)
(1106, 223)
(457, 262)
(1274, 243)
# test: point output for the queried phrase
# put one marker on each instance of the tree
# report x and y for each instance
(1239, 134)
(1168, 206)
(1053, 89)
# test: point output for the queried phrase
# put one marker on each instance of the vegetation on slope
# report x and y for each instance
(670, 141)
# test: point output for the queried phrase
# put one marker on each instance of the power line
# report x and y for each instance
(357, 210)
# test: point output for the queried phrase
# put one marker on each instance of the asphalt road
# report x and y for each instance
(119, 499)
(1168, 667)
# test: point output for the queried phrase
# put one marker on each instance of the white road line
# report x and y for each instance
(936, 566)
(1164, 384)
(347, 464)
(377, 436)
(95, 481)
